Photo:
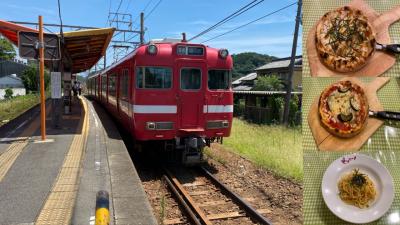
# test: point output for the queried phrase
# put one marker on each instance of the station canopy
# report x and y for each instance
(83, 47)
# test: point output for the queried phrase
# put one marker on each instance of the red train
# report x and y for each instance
(174, 93)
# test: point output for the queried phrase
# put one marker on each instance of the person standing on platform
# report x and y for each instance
(75, 89)
(79, 88)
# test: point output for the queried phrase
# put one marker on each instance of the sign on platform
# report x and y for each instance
(67, 76)
(28, 45)
(55, 79)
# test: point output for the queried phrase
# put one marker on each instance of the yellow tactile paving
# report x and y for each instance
(65, 188)
(60, 202)
(9, 156)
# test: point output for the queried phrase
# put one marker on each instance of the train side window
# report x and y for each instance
(190, 79)
(124, 84)
(219, 79)
(153, 77)
(104, 85)
(112, 85)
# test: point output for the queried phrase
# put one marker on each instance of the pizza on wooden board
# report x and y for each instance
(344, 39)
(343, 109)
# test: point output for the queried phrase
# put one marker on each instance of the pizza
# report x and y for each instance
(344, 39)
(343, 109)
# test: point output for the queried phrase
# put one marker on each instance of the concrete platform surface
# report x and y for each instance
(56, 182)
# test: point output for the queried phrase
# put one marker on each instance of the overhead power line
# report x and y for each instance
(127, 6)
(119, 6)
(109, 10)
(152, 10)
(143, 10)
(253, 21)
(147, 5)
(137, 17)
(228, 18)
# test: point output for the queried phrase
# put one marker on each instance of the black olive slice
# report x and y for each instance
(345, 117)
(354, 104)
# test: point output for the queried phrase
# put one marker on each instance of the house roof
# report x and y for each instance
(250, 76)
(281, 63)
(242, 88)
(244, 92)
(10, 81)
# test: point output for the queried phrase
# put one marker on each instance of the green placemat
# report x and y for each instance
(315, 164)
(385, 138)
(313, 10)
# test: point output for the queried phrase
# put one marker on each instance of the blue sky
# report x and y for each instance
(272, 35)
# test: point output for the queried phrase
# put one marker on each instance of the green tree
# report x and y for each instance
(268, 83)
(30, 78)
(245, 63)
(7, 51)
(9, 93)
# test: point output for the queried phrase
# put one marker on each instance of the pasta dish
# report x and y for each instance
(357, 189)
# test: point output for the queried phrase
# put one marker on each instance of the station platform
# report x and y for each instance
(56, 181)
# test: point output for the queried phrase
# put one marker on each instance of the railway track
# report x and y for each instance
(207, 201)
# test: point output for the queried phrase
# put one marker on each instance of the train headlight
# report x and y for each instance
(223, 53)
(152, 49)
(159, 125)
(217, 124)
(150, 125)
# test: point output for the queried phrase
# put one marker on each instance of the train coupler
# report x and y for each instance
(193, 151)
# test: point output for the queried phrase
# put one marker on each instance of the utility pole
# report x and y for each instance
(291, 66)
(41, 74)
(141, 28)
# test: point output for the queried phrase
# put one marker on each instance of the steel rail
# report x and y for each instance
(188, 199)
(189, 211)
(249, 209)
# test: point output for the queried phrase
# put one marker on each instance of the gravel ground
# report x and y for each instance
(279, 199)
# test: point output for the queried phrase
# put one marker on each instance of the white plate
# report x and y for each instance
(376, 172)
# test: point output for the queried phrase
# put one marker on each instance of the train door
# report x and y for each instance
(191, 94)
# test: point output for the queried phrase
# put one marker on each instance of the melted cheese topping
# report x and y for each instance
(339, 102)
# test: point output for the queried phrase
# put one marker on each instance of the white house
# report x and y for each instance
(13, 82)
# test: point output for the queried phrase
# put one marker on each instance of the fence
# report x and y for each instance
(10, 67)
(264, 115)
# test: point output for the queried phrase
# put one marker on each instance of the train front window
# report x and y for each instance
(153, 77)
(190, 79)
(219, 79)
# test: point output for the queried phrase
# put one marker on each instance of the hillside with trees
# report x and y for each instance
(245, 63)
(7, 51)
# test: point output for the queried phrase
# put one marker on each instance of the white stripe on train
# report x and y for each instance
(164, 109)
(172, 109)
(218, 109)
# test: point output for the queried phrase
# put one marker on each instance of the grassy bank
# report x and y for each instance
(276, 148)
(9, 109)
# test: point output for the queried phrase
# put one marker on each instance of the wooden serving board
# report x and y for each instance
(378, 63)
(327, 142)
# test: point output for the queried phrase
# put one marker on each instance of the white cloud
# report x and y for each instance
(199, 22)
(33, 9)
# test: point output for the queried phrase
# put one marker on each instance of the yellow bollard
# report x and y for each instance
(102, 208)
